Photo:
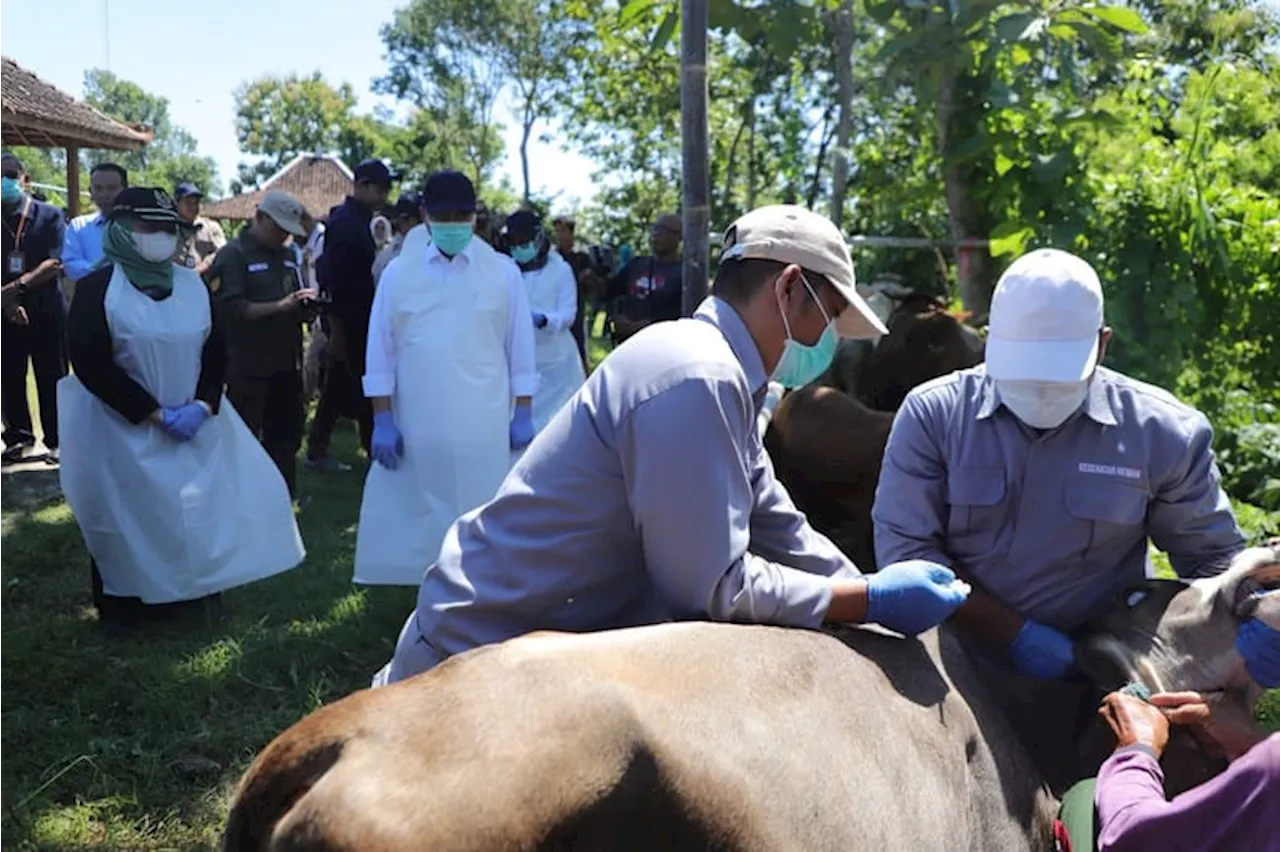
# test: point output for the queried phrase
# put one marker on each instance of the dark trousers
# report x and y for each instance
(127, 612)
(271, 406)
(579, 329)
(342, 395)
(43, 343)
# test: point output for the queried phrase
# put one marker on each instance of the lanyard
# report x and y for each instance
(22, 225)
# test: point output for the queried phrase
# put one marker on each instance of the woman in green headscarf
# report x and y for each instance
(174, 496)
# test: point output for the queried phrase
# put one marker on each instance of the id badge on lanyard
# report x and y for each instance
(16, 262)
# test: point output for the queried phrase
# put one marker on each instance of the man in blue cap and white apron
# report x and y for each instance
(450, 349)
(650, 498)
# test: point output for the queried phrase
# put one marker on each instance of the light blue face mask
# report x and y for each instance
(450, 237)
(10, 190)
(525, 253)
(801, 364)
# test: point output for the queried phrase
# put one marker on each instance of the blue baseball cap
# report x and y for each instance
(448, 191)
(186, 189)
(375, 171)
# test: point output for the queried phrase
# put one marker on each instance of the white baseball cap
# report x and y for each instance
(792, 234)
(1046, 315)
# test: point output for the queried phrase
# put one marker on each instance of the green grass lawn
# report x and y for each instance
(135, 744)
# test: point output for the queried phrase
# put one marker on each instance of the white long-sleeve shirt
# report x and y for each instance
(380, 352)
(560, 315)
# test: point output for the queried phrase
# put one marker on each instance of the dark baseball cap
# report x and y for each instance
(184, 190)
(408, 204)
(523, 226)
(375, 171)
(149, 203)
(448, 192)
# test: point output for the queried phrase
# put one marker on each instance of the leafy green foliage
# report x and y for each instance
(278, 118)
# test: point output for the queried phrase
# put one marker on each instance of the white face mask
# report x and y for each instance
(156, 247)
(1042, 405)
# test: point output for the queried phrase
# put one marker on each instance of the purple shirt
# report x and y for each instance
(1238, 811)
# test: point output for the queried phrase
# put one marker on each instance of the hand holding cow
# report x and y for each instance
(1210, 720)
(913, 596)
(1259, 645)
(1135, 722)
(1042, 651)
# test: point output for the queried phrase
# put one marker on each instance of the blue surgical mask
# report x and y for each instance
(10, 190)
(801, 364)
(524, 253)
(451, 237)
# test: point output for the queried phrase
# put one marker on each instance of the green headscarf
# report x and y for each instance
(155, 278)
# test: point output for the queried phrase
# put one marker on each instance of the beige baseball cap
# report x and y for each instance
(285, 210)
(792, 234)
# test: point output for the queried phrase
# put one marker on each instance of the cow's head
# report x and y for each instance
(1175, 636)
(925, 341)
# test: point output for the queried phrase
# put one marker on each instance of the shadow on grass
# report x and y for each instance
(135, 743)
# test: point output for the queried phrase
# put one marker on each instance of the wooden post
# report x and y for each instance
(73, 181)
(696, 190)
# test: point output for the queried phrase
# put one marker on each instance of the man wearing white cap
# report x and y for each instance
(649, 497)
(1040, 475)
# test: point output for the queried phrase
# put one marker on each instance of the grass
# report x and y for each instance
(136, 743)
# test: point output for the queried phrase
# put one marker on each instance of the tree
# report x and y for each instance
(456, 58)
(437, 62)
(278, 118)
(172, 156)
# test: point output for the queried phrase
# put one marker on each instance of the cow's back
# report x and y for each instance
(685, 736)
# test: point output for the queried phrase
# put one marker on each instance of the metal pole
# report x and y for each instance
(696, 189)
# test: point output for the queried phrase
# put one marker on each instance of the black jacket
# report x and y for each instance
(93, 354)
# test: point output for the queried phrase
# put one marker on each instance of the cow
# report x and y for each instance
(826, 448)
(701, 736)
(925, 340)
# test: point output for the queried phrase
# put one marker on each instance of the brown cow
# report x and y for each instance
(826, 445)
(925, 340)
(701, 736)
(826, 448)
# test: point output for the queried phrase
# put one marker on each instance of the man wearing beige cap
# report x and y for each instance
(262, 301)
(649, 498)
(1040, 475)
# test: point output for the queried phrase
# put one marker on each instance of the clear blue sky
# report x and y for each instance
(196, 54)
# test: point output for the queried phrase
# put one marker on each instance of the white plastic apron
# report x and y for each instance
(559, 365)
(452, 403)
(166, 520)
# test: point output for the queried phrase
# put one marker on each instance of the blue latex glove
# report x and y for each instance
(182, 422)
(1259, 644)
(913, 596)
(1041, 651)
(539, 319)
(522, 427)
(387, 446)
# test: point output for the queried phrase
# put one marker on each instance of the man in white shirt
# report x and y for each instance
(82, 245)
(450, 350)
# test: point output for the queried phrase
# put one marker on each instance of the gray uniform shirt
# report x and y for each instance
(647, 497)
(1054, 523)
